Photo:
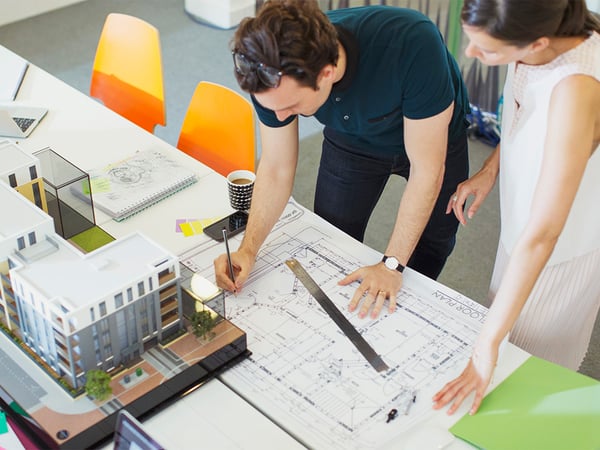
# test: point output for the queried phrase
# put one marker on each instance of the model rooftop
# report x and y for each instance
(80, 280)
(18, 214)
(13, 157)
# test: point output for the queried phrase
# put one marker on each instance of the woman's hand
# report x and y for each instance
(478, 185)
(476, 377)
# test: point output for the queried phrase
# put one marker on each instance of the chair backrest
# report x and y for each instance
(127, 74)
(218, 129)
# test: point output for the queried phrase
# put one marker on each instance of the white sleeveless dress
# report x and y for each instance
(557, 321)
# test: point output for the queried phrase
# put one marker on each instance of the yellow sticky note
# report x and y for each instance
(186, 229)
(207, 222)
(196, 226)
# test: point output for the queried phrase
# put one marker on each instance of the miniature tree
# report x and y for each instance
(98, 384)
(203, 323)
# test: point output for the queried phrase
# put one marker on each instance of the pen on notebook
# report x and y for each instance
(228, 255)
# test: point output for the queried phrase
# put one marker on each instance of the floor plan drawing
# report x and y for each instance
(424, 342)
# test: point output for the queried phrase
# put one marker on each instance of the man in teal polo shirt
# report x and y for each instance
(392, 101)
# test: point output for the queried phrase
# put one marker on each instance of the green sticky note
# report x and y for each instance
(85, 186)
(100, 184)
(3, 424)
(539, 406)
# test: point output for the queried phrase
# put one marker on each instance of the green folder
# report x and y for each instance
(539, 406)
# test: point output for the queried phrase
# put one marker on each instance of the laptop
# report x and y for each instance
(18, 121)
(131, 435)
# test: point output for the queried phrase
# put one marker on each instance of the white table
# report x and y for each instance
(89, 135)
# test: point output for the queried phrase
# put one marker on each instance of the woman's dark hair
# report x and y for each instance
(520, 22)
(293, 36)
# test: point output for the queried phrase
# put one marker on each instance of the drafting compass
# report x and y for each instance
(340, 320)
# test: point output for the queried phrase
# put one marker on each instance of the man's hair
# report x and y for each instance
(293, 36)
(520, 22)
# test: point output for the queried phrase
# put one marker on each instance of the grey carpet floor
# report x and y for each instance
(63, 42)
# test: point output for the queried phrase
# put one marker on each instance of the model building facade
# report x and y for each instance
(81, 311)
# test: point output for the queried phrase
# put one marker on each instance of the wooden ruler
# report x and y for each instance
(336, 315)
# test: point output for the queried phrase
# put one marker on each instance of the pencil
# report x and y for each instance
(228, 255)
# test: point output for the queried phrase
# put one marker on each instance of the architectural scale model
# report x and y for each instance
(120, 309)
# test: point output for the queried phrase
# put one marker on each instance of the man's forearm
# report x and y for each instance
(414, 212)
(426, 142)
(268, 201)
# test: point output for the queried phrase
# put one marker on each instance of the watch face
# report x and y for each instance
(391, 263)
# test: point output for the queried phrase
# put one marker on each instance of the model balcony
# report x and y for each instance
(165, 278)
(168, 292)
(168, 306)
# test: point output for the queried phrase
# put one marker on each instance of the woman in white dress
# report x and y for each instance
(546, 282)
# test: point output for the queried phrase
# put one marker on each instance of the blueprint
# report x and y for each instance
(304, 373)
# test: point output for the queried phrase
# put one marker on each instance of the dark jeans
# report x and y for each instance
(350, 182)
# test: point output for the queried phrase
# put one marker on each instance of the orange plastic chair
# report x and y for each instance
(127, 74)
(218, 129)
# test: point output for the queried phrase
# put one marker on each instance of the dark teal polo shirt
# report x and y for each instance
(398, 65)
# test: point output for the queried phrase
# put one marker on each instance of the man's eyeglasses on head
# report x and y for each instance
(269, 76)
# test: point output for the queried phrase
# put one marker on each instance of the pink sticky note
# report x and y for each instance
(178, 223)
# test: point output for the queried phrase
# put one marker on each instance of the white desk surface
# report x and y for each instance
(89, 135)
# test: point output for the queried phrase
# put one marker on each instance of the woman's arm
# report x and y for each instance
(568, 146)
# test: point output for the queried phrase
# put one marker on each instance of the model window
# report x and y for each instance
(152, 317)
(32, 238)
(150, 283)
(33, 173)
(129, 294)
(12, 180)
(145, 329)
(119, 300)
(141, 288)
(102, 307)
(21, 243)
(105, 338)
(92, 315)
(37, 198)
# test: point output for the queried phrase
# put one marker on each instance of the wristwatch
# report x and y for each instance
(391, 262)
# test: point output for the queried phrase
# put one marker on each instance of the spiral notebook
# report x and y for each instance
(129, 186)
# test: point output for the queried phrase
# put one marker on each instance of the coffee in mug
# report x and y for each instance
(241, 181)
(240, 184)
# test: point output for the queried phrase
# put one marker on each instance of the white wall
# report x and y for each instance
(14, 10)
(594, 5)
